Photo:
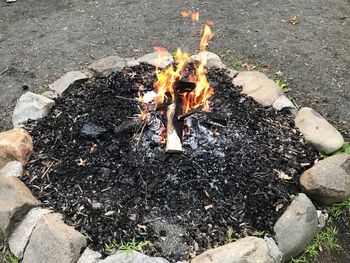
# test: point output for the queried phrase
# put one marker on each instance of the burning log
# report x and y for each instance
(174, 126)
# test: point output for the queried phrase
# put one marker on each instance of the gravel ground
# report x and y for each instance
(42, 39)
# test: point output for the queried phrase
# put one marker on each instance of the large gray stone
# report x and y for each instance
(132, 257)
(318, 131)
(296, 228)
(52, 241)
(15, 201)
(107, 65)
(328, 181)
(20, 236)
(69, 79)
(90, 256)
(31, 106)
(247, 250)
(213, 60)
(157, 59)
(14, 168)
(258, 86)
(131, 62)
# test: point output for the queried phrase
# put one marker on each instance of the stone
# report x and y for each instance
(297, 226)
(91, 130)
(90, 256)
(328, 181)
(283, 102)
(50, 94)
(258, 86)
(131, 62)
(107, 65)
(157, 59)
(318, 131)
(15, 145)
(213, 60)
(15, 202)
(20, 236)
(14, 168)
(132, 257)
(31, 106)
(322, 219)
(247, 250)
(69, 79)
(232, 72)
(54, 241)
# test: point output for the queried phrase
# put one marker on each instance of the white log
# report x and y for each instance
(174, 142)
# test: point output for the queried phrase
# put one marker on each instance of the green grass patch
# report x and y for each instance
(326, 239)
(230, 235)
(336, 210)
(126, 247)
(9, 258)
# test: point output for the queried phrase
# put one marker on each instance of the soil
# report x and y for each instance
(40, 40)
(110, 188)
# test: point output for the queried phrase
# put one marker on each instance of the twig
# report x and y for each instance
(6, 69)
(140, 136)
(125, 98)
(47, 170)
(185, 115)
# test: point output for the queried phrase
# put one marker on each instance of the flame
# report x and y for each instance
(194, 15)
(164, 86)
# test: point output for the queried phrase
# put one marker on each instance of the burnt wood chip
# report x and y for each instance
(228, 181)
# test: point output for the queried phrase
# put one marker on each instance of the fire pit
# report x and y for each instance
(108, 169)
(169, 155)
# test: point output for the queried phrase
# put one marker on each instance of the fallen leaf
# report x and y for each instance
(282, 175)
(294, 20)
(279, 73)
(279, 206)
(142, 227)
(208, 206)
(81, 162)
(206, 193)
(132, 217)
(249, 66)
(93, 148)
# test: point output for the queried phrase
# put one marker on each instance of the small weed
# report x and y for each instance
(325, 239)
(10, 258)
(292, 197)
(42, 89)
(126, 247)
(230, 234)
(87, 237)
(336, 210)
(301, 259)
(258, 233)
(282, 85)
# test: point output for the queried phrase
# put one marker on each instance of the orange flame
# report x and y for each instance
(194, 15)
(164, 86)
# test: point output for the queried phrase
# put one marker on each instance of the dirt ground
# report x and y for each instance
(42, 39)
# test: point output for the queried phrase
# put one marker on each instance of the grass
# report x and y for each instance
(126, 247)
(326, 239)
(42, 89)
(230, 235)
(258, 233)
(336, 210)
(9, 258)
(282, 85)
